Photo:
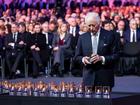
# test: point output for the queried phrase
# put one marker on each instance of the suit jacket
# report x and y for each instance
(98, 74)
(17, 47)
(46, 53)
(50, 39)
(74, 40)
(2, 38)
(26, 39)
(38, 39)
(67, 40)
(127, 34)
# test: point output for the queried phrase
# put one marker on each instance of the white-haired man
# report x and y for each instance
(98, 52)
(131, 38)
(46, 53)
(132, 34)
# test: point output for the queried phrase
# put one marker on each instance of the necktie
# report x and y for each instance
(94, 44)
(73, 32)
(46, 38)
(134, 37)
(14, 37)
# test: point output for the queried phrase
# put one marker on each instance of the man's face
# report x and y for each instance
(133, 25)
(121, 25)
(137, 21)
(37, 28)
(14, 28)
(117, 18)
(107, 26)
(52, 27)
(45, 27)
(73, 22)
(22, 29)
(94, 27)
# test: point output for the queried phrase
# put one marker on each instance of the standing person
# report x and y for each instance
(97, 51)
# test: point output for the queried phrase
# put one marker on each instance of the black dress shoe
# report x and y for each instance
(51, 74)
(61, 74)
(12, 75)
(35, 76)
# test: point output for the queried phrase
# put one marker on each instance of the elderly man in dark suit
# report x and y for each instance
(97, 51)
(37, 45)
(133, 33)
(131, 49)
(46, 53)
(14, 44)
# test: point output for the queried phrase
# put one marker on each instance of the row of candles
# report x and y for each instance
(27, 88)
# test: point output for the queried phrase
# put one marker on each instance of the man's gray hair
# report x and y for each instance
(132, 21)
(92, 17)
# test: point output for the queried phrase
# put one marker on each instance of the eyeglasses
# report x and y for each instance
(93, 25)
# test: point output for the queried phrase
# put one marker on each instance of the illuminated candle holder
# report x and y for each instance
(106, 92)
(98, 91)
(56, 91)
(80, 91)
(63, 91)
(88, 92)
(71, 90)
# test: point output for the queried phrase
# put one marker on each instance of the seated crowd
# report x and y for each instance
(39, 35)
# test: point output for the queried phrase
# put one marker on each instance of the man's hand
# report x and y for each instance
(96, 58)
(33, 47)
(11, 44)
(21, 42)
(55, 48)
(37, 49)
(85, 60)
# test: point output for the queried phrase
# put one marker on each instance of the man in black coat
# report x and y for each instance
(46, 53)
(14, 44)
(97, 51)
(37, 45)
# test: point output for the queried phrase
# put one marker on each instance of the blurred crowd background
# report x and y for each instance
(44, 28)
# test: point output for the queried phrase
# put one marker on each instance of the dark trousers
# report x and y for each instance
(37, 63)
(45, 56)
(61, 55)
(13, 60)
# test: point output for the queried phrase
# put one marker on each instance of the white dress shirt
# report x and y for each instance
(133, 32)
(46, 35)
(96, 47)
(15, 36)
(121, 32)
(73, 30)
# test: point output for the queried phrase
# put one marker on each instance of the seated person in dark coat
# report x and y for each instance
(48, 46)
(37, 45)
(2, 38)
(14, 44)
